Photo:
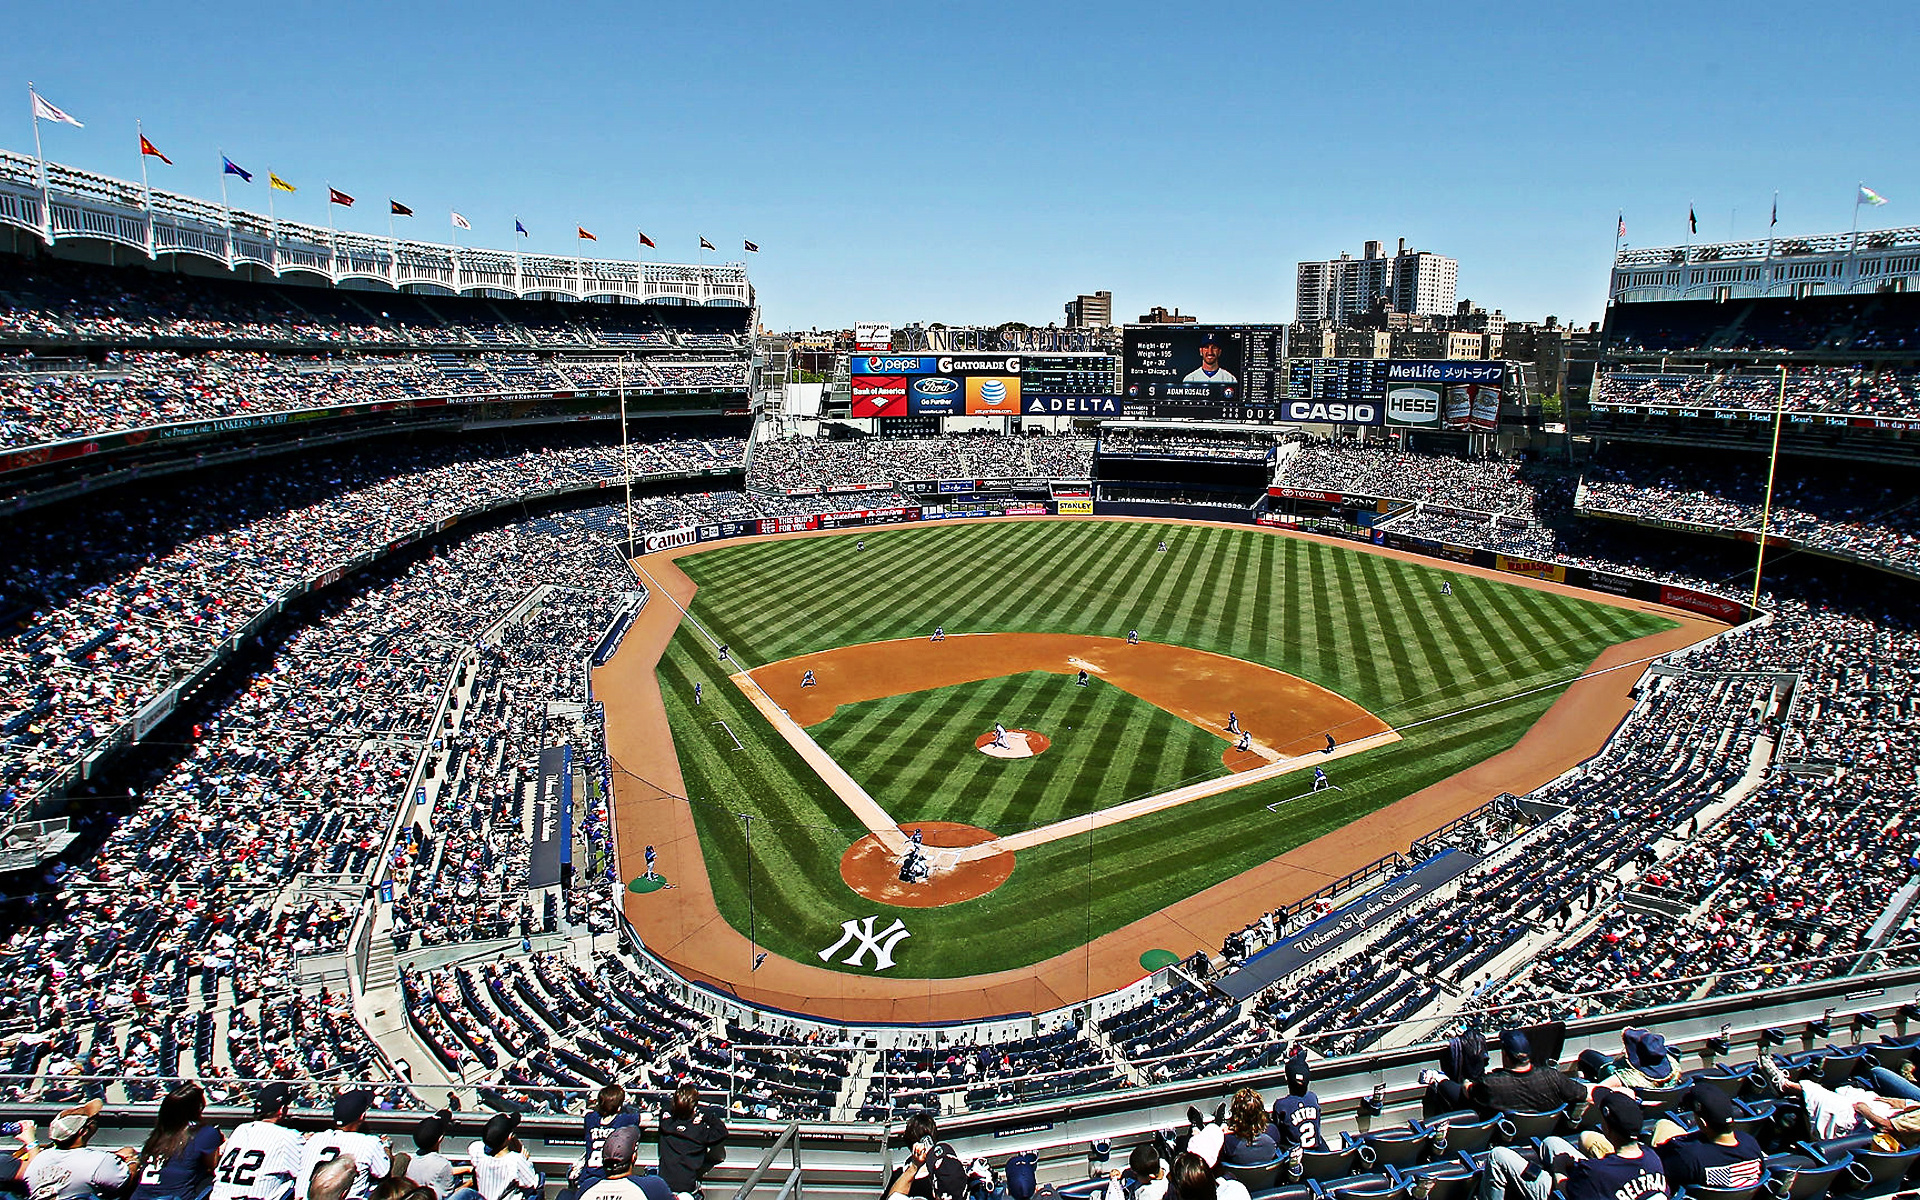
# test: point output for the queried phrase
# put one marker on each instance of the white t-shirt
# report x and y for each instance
(369, 1156)
(259, 1162)
(75, 1174)
(433, 1170)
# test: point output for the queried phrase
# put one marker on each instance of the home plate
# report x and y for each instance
(1015, 743)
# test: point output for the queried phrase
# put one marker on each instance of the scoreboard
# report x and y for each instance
(1049, 385)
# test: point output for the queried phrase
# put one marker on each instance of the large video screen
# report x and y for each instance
(1221, 372)
(1451, 394)
(984, 385)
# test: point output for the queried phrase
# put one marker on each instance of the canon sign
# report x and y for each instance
(1333, 412)
(1413, 406)
(667, 539)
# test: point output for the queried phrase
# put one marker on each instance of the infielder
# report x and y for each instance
(1233, 722)
(808, 680)
(1320, 780)
(1133, 637)
(939, 634)
(999, 735)
(1082, 680)
(1246, 741)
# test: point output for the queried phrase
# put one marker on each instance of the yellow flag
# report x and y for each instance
(278, 184)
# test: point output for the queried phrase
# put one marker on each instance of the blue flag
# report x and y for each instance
(520, 229)
(227, 167)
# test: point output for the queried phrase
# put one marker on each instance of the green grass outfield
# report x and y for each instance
(1372, 628)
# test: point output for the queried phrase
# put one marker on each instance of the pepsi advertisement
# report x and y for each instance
(982, 385)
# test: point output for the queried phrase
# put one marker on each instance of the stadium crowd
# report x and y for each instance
(1857, 391)
(805, 465)
(1353, 468)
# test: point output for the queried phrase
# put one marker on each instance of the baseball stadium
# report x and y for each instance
(452, 691)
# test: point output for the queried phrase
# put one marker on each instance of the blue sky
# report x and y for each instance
(985, 162)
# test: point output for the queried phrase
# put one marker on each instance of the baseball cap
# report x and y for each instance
(73, 1122)
(1714, 1106)
(1645, 1049)
(1514, 1044)
(349, 1107)
(272, 1098)
(1206, 1143)
(620, 1145)
(432, 1128)
(1212, 339)
(1298, 1071)
(1621, 1110)
(500, 1127)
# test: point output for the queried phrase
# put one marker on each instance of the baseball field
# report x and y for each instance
(1142, 793)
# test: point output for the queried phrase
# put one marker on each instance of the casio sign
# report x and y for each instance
(936, 385)
(1332, 414)
(1415, 406)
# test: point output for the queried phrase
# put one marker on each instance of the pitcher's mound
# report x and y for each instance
(875, 874)
(1020, 743)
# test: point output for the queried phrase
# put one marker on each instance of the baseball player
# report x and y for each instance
(1246, 741)
(1163, 548)
(916, 835)
(1320, 779)
(999, 735)
(1082, 680)
(808, 680)
(724, 656)
(1133, 637)
(1330, 744)
(696, 695)
(1446, 587)
(861, 544)
(939, 634)
(650, 858)
(1233, 722)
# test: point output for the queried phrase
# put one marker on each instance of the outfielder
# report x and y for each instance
(1446, 587)
(696, 695)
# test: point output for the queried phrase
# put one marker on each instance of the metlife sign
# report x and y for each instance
(1446, 371)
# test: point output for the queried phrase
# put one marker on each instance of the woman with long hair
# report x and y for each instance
(1248, 1142)
(177, 1160)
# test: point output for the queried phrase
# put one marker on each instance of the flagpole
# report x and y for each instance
(1766, 507)
(39, 156)
(146, 190)
(272, 220)
(333, 241)
(1619, 223)
(1772, 223)
(1853, 235)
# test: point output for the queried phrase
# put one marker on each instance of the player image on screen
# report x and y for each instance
(1210, 370)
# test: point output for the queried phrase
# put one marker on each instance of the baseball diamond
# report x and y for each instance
(1449, 686)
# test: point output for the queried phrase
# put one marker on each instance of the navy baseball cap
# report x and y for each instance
(351, 1106)
(1622, 1110)
(1514, 1043)
(272, 1099)
(1298, 1071)
(1713, 1106)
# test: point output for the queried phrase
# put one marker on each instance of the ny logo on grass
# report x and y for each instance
(862, 932)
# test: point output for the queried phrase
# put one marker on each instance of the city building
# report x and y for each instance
(1438, 343)
(1090, 312)
(1160, 316)
(1343, 290)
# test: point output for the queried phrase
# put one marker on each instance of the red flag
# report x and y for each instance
(584, 235)
(336, 196)
(647, 242)
(148, 148)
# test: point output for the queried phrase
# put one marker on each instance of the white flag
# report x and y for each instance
(1869, 196)
(47, 112)
(461, 222)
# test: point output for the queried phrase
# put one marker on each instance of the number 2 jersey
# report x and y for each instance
(258, 1162)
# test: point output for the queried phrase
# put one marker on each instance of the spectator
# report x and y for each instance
(1296, 1115)
(1248, 1140)
(1648, 1063)
(178, 1159)
(427, 1167)
(609, 1113)
(692, 1141)
(335, 1178)
(500, 1167)
(345, 1141)
(1196, 1173)
(932, 1170)
(72, 1170)
(1521, 1086)
(1715, 1155)
(262, 1158)
(617, 1152)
